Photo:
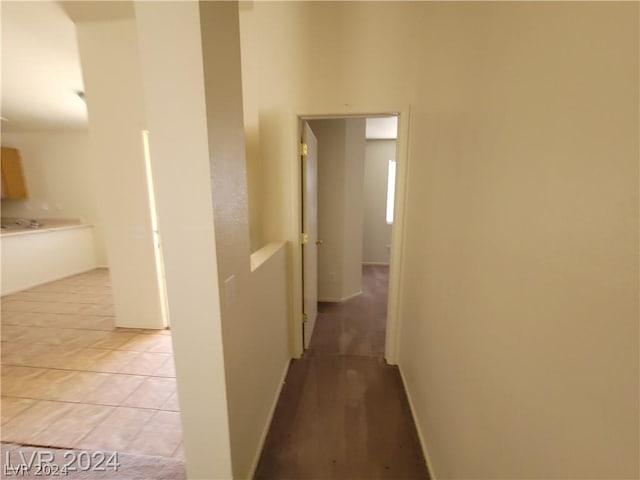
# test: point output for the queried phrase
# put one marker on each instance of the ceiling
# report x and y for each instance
(379, 128)
(41, 73)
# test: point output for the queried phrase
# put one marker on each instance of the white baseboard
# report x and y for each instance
(423, 444)
(265, 431)
(384, 264)
(349, 297)
(339, 300)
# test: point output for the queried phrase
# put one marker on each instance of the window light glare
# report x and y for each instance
(391, 190)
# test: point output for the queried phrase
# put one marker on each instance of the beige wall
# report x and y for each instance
(115, 104)
(254, 303)
(178, 141)
(229, 310)
(520, 303)
(340, 186)
(353, 201)
(263, 126)
(254, 189)
(30, 259)
(229, 315)
(59, 172)
(274, 130)
(377, 233)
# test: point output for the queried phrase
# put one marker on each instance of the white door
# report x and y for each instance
(309, 231)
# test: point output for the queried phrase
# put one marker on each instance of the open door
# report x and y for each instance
(309, 156)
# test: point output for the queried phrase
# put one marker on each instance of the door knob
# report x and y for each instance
(319, 242)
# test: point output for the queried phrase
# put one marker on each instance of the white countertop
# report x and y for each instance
(46, 227)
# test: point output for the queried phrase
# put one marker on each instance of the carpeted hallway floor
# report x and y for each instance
(343, 412)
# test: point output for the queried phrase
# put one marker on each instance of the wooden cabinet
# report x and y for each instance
(13, 185)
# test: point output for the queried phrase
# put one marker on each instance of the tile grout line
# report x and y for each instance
(87, 371)
(53, 302)
(88, 346)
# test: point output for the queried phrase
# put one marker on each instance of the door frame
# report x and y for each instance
(311, 236)
(396, 264)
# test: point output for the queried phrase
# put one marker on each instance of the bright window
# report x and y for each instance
(391, 190)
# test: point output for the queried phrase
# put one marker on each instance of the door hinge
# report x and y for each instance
(303, 149)
(305, 318)
(304, 238)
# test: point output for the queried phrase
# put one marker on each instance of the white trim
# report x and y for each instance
(353, 295)
(339, 300)
(423, 444)
(267, 426)
(260, 256)
(382, 264)
(396, 267)
(397, 245)
(31, 231)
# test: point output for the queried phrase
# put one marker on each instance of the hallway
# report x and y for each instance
(343, 412)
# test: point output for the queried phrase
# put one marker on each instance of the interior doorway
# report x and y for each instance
(343, 411)
(348, 196)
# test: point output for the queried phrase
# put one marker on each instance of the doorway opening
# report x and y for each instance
(343, 411)
(349, 210)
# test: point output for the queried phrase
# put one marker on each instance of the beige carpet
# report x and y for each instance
(343, 413)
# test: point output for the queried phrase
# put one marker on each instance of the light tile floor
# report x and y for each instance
(72, 380)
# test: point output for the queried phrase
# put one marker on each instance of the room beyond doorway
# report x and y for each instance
(356, 326)
(348, 180)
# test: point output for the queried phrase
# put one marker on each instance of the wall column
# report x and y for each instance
(173, 78)
(111, 70)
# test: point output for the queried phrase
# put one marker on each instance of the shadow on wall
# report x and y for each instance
(254, 185)
(277, 138)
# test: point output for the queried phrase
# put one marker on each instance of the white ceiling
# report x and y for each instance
(382, 128)
(41, 72)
